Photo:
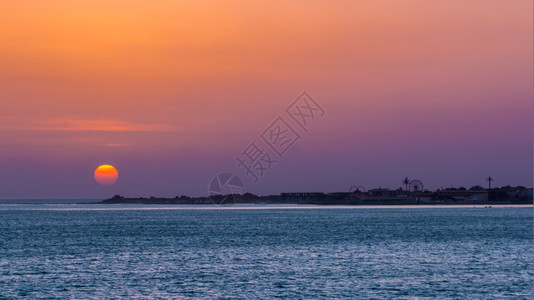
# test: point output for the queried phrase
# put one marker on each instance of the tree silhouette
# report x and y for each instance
(489, 180)
(476, 188)
(406, 181)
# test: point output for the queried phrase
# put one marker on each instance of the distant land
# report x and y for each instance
(379, 196)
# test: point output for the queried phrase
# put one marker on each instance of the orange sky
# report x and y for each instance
(123, 81)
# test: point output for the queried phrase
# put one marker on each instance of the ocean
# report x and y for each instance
(97, 251)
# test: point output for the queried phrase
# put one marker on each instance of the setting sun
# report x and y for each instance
(106, 175)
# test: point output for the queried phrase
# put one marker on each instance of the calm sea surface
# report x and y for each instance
(144, 251)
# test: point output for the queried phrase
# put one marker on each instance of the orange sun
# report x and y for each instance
(106, 175)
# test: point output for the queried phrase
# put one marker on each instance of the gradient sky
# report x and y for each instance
(170, 92)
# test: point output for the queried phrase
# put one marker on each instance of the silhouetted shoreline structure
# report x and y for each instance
(378, 196)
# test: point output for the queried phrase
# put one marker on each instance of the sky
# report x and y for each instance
(172, 93)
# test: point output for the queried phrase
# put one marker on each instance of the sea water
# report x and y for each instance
(247, 252)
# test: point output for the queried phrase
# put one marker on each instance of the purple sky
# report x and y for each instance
(170, 94)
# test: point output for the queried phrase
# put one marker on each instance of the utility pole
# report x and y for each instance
(489, 180)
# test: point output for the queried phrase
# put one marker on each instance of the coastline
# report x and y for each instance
(250, 199)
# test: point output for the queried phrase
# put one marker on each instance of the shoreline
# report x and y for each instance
(251, 199)
(252, 207)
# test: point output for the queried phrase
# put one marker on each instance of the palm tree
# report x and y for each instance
(406, 181)
(489, 180)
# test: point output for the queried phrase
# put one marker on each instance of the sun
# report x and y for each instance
(106, 175)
